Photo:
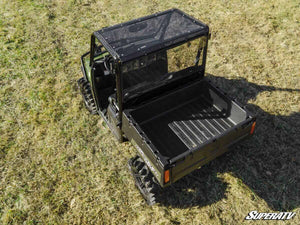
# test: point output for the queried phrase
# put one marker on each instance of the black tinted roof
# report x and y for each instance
(138, 37)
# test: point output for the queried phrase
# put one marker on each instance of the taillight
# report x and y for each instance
(253, 127)
(167, 176)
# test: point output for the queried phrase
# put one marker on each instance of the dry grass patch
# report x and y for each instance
(59, 165)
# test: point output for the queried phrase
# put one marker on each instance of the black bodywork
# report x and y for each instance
(178, 124)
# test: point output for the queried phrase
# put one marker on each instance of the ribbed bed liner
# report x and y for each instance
(187, 118)
(190, 125)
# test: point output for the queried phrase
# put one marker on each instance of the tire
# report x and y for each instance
(144, 180)
(85, 90)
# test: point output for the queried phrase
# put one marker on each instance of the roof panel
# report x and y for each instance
(141, 36)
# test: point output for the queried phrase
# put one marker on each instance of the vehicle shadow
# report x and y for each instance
(200, 188)
(268, 163)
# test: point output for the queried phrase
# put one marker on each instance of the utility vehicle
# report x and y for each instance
(146, 78)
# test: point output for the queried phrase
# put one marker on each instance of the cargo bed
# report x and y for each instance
(187, 118)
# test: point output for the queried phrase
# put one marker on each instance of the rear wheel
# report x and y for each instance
(85, 90)
(144, 180)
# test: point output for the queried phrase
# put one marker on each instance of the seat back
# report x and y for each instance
(148, 68)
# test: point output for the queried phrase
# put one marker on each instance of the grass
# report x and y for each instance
(59, 165)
